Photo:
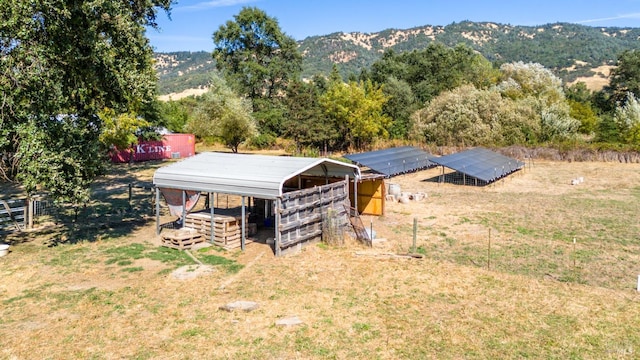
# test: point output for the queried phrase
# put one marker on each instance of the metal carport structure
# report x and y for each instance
(246, 175)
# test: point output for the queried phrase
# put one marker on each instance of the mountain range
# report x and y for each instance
(573, 52)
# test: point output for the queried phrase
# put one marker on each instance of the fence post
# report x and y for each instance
(157, 210)
(489, 252)
(28, 221)
(130, 195)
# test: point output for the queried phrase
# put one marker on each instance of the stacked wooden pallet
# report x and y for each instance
(227, 228)
(181, 239)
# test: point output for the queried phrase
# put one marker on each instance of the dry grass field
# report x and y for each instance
(501, 278)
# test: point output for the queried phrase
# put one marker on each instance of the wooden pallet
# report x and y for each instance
(182, 239)
(227, 228)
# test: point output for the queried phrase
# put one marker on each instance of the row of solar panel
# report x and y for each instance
(481, 163)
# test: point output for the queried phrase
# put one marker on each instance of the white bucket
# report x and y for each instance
(394, 189)
(419, 196)
(404, 199)
(4, 249)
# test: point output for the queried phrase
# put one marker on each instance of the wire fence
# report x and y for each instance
(114, 204)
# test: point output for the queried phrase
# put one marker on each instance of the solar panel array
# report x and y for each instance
(483, 164)
(393, 161)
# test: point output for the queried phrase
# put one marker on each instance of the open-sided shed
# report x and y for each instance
(299, 208)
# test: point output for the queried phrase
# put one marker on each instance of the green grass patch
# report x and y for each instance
(169, 256)
(193, 332)
(230, 266)
(525, 231)
(27, 294)
(126, 255)
(421, 250)
(67, 256)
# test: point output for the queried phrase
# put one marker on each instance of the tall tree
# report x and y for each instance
(119, 131)
(176, 113)
(627, 119)
(625, 77)
(305, 122)
(258, 60)
(434, 69)
(61, 63)
(222, 115)
(399, 107)
(355, 109)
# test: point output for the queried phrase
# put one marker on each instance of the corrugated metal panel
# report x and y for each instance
(480, 163)
(170, 147)
(259, 176)
(393, 161)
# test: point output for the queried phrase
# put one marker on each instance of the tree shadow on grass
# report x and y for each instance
(121, 202)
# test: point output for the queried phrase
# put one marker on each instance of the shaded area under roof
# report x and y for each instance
(483, 164)
(260, 176)
(393, 161)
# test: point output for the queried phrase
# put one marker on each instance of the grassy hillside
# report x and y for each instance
(178, 71)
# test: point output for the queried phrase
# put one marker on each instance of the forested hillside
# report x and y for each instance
(559, 47)
(569, 50)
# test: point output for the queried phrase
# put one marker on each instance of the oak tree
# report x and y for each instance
(222, 115)
(258, 60)
(61, 63)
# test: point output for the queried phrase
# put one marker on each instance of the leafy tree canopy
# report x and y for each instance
(467, 116)
(119, 130)
(356, 110)
(222, 115)
(627, 119)
(533, 85)
(305, 122)
(256, 57)
(434, 69)
(401, 103)
(625, 77)
(61, 63)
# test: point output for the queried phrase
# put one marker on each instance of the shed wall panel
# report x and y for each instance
(301, 214)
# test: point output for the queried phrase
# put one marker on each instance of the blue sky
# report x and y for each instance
(194, 21)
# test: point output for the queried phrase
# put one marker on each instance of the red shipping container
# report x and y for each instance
(172, 146)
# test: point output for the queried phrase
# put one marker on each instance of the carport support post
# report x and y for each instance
(277, 227)
(242, 223)
(157, 211)
(212, 208)
(184, 207)
(355, 192)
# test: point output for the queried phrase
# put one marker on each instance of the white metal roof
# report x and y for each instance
(260, 176)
